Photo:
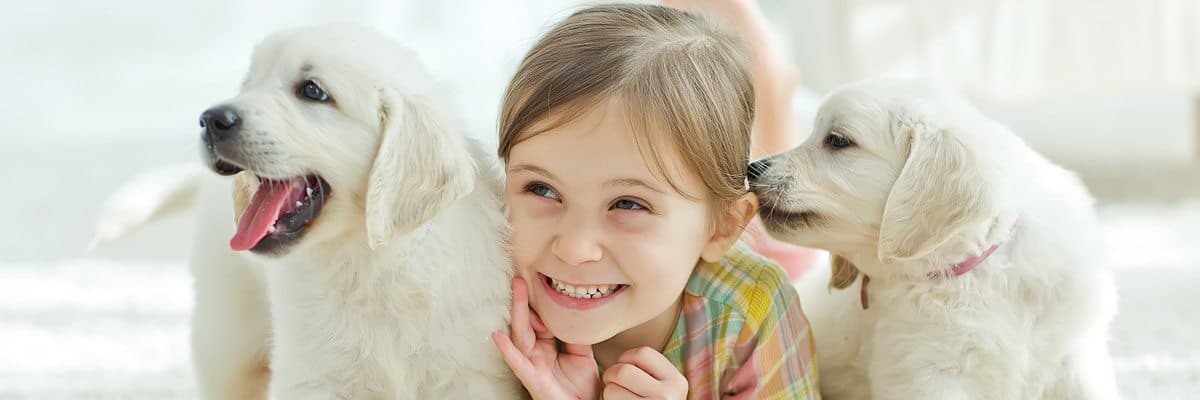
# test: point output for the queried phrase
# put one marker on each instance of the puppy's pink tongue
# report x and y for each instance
(272, 199)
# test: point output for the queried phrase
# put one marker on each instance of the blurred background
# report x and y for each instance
(99, 91)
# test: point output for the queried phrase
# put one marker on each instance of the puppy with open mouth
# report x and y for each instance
(367, 257)
(381, 227)
(981, 276)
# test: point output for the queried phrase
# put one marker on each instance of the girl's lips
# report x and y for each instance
(576, 303)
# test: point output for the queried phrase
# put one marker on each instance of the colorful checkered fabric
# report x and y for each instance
(741, 333)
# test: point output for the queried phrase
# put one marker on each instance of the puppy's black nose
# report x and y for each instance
(757, 169)
(219, 123)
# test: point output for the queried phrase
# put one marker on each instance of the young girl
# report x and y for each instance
(626, 135)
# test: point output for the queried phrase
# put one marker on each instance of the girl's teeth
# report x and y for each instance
(583, 292)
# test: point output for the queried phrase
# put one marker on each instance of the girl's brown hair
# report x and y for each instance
(681, 78)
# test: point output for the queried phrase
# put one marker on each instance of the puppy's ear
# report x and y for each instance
(941, 192)
(420, 168)
(844, 273)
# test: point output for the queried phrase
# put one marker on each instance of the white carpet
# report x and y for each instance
(103, 329)
(94, 329)
(1156, 337)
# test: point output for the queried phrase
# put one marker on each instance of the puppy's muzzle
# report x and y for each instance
(221, 125)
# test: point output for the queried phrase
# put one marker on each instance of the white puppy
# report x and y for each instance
(982, 272)
(370, 234)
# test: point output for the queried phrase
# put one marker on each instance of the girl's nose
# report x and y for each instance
(577, 243)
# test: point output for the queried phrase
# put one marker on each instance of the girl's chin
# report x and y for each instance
(579, 331)
(582, 338)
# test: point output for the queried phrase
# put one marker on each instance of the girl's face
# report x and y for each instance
(604, 242)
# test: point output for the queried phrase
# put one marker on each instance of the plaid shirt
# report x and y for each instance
(741, 333)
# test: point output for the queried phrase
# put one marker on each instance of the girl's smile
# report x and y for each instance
(580, 296)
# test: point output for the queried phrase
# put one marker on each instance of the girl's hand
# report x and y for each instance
(532, 354)
(644, 373)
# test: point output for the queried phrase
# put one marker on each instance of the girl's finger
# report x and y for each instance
(518, 362)
(522, 333)
(539, 328)
(631, 378)
(652, 362)
(614, 391)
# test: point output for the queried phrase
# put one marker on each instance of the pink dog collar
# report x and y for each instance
(958, 270)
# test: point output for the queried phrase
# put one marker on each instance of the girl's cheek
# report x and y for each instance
(529, 219)
(525, 206)
(636, 223)
(539, 211)
(523, 244)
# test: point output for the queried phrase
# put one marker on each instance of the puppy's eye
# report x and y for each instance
(311, 91)
(837, 141)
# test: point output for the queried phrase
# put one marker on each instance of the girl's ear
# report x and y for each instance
(730, 228)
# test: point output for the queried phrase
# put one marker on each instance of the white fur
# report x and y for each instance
(929, 183)
(393, 291)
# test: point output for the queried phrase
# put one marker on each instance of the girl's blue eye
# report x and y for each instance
(542, 191)
(624, 204)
